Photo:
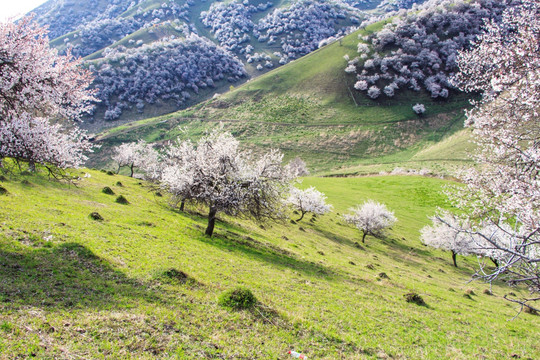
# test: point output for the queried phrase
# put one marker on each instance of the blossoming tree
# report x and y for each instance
(503, 193)
(217, 173)
(372, 218)
(309, 200)
(38, 90)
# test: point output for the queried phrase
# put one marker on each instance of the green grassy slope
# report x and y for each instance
(309, 108)
(72, 287)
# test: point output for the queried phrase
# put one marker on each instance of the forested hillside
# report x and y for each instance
(315, 107)
(251, 37)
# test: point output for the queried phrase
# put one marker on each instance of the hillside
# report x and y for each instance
(144, 282)
(309, 108)
(259, 35)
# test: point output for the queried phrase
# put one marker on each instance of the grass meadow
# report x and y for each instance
(144, 282)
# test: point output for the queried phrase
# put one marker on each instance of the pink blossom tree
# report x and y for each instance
(504, 191)
(38, 91)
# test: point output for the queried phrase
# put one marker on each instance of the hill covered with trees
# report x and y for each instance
(258, 35)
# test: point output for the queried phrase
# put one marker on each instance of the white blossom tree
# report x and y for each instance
(504, 192)
(297, 167)
(226, 179)
(177, 172)
(371, 217)
(449, 233)
(309, 200)
(419, 109)
(136, 155)
(37, 86)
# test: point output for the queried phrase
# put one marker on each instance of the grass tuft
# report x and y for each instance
(107, 190)
(237, 299)
(96, 216)
(415, 299)
(530, 310)
(122, 200)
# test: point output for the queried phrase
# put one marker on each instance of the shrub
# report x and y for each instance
(239, 298)
(118, 183)
(107, 190)
(122, 200)
(3, 190)
(414, 298)
(3, 178)
(383, 276)
(109, 172)
(96, 216)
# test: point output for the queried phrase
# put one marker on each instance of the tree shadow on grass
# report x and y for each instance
(342, 240)
(259, 251)
(64, 276)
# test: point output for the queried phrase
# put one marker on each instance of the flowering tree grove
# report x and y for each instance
(309, 200)
(372, 218)
(504, 193)
(36, 86)
(216, 173)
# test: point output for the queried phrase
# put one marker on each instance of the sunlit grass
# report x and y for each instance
(76, 287)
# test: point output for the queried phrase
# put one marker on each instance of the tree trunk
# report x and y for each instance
(31, 166)
(493, 260)
(301, 217)
(364, 237)
(131, 168)
(211, 221)
(182, 203)
(454, 258)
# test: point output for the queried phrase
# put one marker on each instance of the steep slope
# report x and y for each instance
(143, 282)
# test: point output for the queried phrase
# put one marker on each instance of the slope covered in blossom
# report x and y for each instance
(257, 35)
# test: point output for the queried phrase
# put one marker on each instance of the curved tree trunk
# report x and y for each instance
(301, 217)
(32, 166)
(364, 237)
(454, 258)
(493, 260)
(131, 168)
(211, 221)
